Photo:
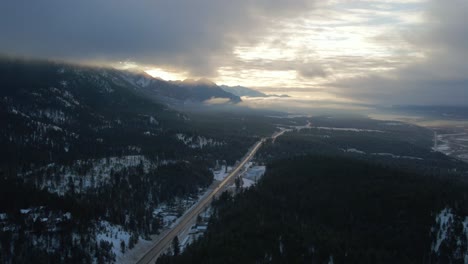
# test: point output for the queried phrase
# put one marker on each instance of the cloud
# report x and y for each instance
(338, 39)
(441, 77)
(310, 70)
(217, 101)
(305, 106)
(193, 36)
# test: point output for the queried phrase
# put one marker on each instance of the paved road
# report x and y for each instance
(189, 218)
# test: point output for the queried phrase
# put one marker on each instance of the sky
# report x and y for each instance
(363, 51)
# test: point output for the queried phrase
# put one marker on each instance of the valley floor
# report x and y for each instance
(452, 141)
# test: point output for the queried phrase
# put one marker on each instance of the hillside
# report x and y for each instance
(96, 157)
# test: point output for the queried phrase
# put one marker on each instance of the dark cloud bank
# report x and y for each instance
(185, 34)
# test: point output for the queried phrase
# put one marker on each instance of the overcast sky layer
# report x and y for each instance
(374, 51)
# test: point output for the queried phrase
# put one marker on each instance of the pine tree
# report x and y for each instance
(122, 246)
(176, 245)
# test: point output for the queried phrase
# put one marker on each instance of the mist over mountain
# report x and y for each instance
(243, 91)
(249, 92)
(192, 91)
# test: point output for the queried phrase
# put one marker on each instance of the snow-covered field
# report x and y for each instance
(250, 176)
(453, 143)
(254, 173)
(443, 143)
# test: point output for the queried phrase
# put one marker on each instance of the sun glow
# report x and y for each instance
(166, 75)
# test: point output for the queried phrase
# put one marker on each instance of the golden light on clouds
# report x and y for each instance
(341, 39)
(166, 75)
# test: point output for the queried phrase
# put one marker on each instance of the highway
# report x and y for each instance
(190, 216)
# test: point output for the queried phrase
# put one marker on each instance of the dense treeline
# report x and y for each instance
(131, 197)
(412, 134)
(313, 209)
(394, 147)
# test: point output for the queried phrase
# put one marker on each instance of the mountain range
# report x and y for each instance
(176, 92)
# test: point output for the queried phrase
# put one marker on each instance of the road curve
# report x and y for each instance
(189, 218)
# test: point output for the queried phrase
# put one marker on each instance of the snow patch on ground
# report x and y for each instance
(143, 82)
(140, 81)
(3, 216)
(170, 212)
(65, 97)
(53, 115)
(153, 121)
(349, 129)
(396, 156)
(444, 221)
(246, 183)
(17, 112)
(357, 151)
(454, 144)
(222, 173)
(251, 175)
(148, 133)
(85, 174)
(353, 150)
(115, 234)
(451, 234)
(25, 211)
(254, 173)
(196, 231)
(442, 145)
(198, 141)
